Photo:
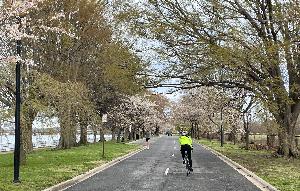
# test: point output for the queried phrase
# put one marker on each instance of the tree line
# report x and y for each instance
(74, 67)
(213, 113)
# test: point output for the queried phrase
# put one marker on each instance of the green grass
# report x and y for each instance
(48, 167)
(282, 173)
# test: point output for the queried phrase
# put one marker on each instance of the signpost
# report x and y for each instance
(104, 121)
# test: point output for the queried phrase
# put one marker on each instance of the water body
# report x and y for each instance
(7, 142)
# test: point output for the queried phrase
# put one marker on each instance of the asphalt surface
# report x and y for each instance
(160, 169)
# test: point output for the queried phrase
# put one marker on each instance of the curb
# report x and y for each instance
(66, 184)
(257, 181)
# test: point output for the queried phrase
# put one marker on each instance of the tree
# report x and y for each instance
(245, 108)
(209, 111)
(73, 44)
(13, 18)
(254, 43)
(73, 57)
(135, 115)
(69, 101)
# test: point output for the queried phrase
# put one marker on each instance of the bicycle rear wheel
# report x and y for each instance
(187, 166)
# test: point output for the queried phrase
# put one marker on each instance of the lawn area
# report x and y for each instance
(48, 167)
(282, 173)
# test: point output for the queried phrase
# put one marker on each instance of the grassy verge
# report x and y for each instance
(282, 173)
(48, 167)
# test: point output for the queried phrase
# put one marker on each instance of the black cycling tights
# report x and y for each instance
(188, 149)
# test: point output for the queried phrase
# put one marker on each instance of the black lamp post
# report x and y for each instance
(17, 150)
(222, 127)
(17, 117)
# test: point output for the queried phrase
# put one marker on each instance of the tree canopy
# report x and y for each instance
(253, 45)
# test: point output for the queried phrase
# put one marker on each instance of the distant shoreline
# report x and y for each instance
(42, 141)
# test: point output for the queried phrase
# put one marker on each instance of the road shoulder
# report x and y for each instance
(66, 184)
(257, 181)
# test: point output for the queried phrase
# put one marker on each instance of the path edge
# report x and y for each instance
(252, 177)
(71, 182)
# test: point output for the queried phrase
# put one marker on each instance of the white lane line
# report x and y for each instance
(167, 171)
(173, 155)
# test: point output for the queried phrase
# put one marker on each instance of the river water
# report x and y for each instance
(7, 142)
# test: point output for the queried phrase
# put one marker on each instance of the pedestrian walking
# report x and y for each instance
(147, 136)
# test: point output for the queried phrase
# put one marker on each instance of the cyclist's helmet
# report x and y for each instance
(184, 133)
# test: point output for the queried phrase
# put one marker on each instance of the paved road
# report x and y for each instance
(147, 171)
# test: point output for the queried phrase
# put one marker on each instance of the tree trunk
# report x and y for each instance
(156, 130)
(95, 135)
(83, 133)
(198, 131)
(143, 132)
(130, 135)
(136, 137)
(119, 136)
(67, 137)
(26, 127)
(23, 155)
(126, 132)
(271, 141)
(246, 129)
(247, 133)
(287, 141)
(28, 116)
(234, 138)
(208, 136)
(133, 134)
(113, 134)
(286, 136)
(67, 132)
(233, 135)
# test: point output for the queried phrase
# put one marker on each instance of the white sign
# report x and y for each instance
(104, 118)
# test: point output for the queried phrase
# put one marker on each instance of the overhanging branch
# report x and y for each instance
(194, 84)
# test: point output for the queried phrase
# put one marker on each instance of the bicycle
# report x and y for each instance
(187, 164)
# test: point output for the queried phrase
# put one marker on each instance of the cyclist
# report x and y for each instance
(186, 144)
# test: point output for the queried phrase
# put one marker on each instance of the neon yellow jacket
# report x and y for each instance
(185, 140)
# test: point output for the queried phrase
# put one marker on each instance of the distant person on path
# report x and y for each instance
(147, 136)
(186, 144)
